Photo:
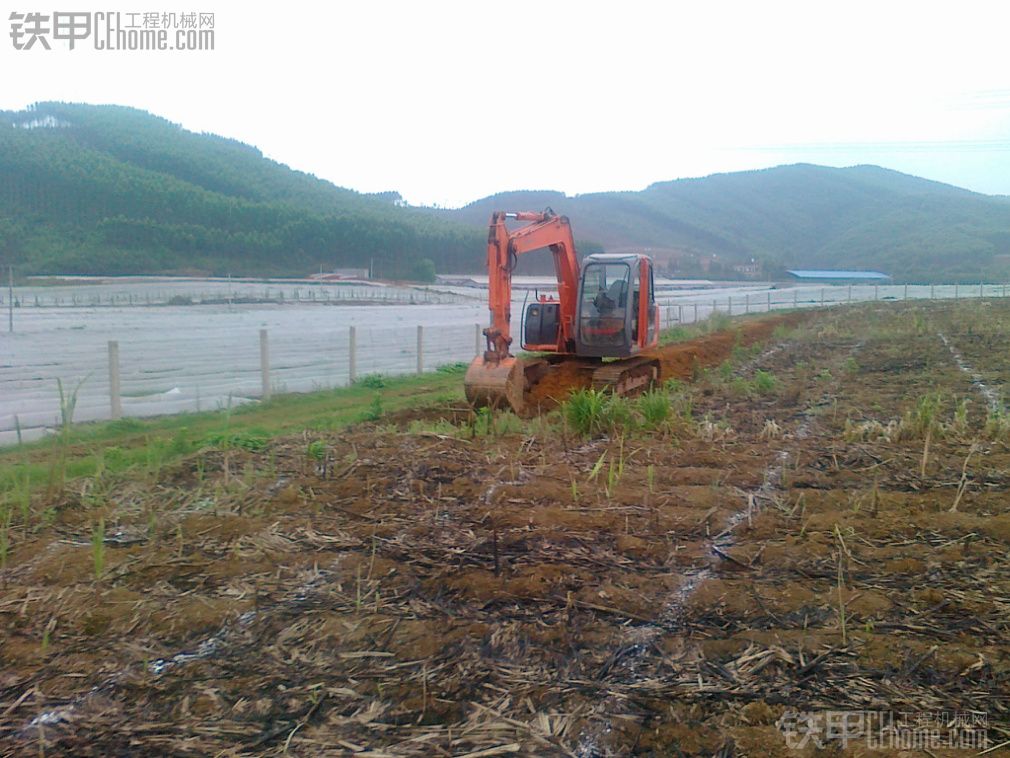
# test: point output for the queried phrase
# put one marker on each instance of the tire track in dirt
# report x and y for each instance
(644, 638)
(991, 395)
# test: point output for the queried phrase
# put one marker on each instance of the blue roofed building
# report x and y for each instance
(828, 275)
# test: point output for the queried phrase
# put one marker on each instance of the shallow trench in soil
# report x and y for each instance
(795, 538)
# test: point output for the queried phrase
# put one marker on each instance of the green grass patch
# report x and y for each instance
(80, 450)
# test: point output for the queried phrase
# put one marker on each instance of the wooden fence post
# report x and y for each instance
(476, 340)
(264, 365)
(420, 349)
(352, 355)
(115, 401)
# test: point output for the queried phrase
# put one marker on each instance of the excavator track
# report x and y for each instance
(627, 377)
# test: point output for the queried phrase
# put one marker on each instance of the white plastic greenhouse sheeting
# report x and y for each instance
(188, 358)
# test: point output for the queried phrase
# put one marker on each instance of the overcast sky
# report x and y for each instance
(447, 102)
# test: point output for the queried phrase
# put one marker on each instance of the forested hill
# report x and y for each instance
(91, 189)
(798, 216)
(88, 189)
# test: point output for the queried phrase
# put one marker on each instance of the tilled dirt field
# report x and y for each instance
(811, 533)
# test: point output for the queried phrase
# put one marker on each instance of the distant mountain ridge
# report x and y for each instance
(796, 216)
(112, 190)
(88, 189)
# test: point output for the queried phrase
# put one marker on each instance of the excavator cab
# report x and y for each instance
(617, 313)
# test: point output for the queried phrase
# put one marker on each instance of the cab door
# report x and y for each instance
(652, 338)
(648, 311)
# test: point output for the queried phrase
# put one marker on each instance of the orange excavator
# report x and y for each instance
(605, 309)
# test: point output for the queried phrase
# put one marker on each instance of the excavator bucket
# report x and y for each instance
(497, 385)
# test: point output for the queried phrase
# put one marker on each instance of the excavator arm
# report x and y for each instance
(546, 230)
(497, 378)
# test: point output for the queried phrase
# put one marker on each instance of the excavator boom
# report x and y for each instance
(498, 378)
(546, 230)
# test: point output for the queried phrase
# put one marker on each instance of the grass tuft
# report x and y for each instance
(584, 411)
(655, 409)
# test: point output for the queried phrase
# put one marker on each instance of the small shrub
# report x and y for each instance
(674, 334)
(719, 321)
(371, 381)
(98, 548)
(740, 386)
(374, 410)
(483, 422)
(997, 424)
(960, 423)
(765, 382)
(251, 441)
(654, 406)
(125, 425)
(541, 426)
(508, 423)
(20, 494)
(618, 414)
(487, 423)
(674, 385)
(442, 427)
(180, 444)
(5, 530)
(583, 411)
(923, 418)
(459, 367)
(590, 412)
(115, 457)
(316, 450)
(683, 406)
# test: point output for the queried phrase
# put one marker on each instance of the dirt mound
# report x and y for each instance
(677, 361)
